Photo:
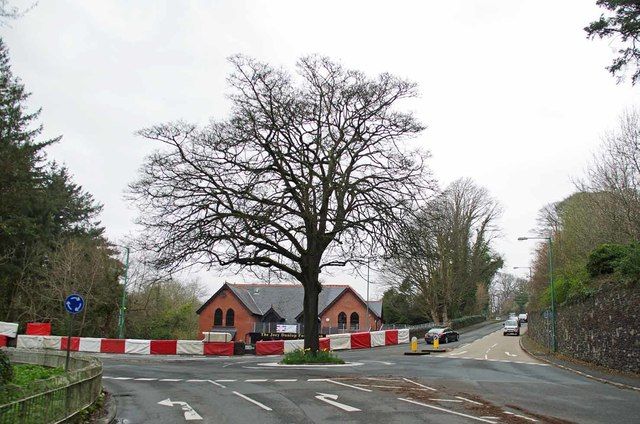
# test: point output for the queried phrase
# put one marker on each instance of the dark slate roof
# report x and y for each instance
(376, 307)
(286, 299)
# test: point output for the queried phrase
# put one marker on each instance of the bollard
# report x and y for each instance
(436, 343)
(414, 344)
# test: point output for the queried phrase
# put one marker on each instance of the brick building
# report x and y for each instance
(245, 308)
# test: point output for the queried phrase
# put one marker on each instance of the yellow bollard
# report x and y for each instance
(414, 344)
(436, 343)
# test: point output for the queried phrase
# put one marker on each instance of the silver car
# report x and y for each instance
(511, 327)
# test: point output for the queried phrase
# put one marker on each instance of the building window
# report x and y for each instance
(230, 316)
(342, 320)
(217, 317)
(355, 321)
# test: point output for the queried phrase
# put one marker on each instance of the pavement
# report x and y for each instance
(484, 377)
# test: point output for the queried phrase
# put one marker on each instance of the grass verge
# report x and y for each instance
(300, 356)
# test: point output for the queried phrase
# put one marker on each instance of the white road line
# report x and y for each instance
(437, 408)
(520, 416)
(331, 400)
(420, 385)
(446, 400)
(381, 379)
(317, 379)
(217, 384)
(458, 353)
(145, 379)
(465, 345)
(256, 380)
(226, 381)
(170, 379)
(285, 380)
(468, 400)
(485, 357)
(255, 402)
(196, 381)
(122, 378)
(494, 345)
(510, 354)
(347, 385)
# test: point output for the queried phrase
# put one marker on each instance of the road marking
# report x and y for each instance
(170, 379)
(437, 408)
(465, 345)
(217, 384)
(122, 378)
(381, 362)
(285, 380)
(347, 385)
(490, 417)
(469, 400)
(381, 379)
(196, 381)
(226, 381)
(494, 345)
(446, 400)
(520, 416)
(332, 401)
(485, 357)
(420, 385)
(189, 413)
(458, 353)
(145, 379)
(255, 402)
(510, 354)
(256, 380)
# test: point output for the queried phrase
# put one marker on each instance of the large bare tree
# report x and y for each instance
(310, 171)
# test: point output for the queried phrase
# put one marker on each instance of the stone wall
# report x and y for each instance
(603, 329)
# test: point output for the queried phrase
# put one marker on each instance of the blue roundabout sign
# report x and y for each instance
(74, 304)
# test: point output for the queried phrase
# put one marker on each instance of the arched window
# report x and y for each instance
(217, 317)
(230, 316)
(342, 320)
(355, 321)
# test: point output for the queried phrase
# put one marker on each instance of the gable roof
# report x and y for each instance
(285, 299)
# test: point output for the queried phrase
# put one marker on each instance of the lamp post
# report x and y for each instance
(124, 295)
(368, 268)
(554, 343)
(524, 267)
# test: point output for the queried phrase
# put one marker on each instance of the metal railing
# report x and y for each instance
(56, 399)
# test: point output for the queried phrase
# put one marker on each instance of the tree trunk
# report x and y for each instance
(312, 287)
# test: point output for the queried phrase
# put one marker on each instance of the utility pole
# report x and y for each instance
(368, 321)
(123, 304)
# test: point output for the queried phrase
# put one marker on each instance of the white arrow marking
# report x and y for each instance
(510, 354)
(332, 401)
(189, 413)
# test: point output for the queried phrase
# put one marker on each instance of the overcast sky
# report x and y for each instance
(513, 94)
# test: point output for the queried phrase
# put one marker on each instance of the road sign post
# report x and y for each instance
(74, 304)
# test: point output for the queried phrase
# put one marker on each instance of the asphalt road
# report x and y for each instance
(485, 377)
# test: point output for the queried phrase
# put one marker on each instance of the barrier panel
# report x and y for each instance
(163, 347)
(54, 342)
(360, 340)
(391, 337)
(378, 338)
(325, 343)
(3, 340)
(38, 329)
(139, 347)
(218, 348)
(340, 341)
(403, 336)
(189, 347)
(30, 342)
(291, 345)
(89, 344)
(275, 347)
(9, 329)
(112, 346)
(75, 343)
(216, 337)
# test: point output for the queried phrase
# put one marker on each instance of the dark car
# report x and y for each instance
(444, 335)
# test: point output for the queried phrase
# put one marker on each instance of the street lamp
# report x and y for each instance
(368, 268)
(554, 343)
(524, 267)
(124, 294)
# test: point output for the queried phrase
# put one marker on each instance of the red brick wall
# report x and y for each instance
(349, 303)
(225, 299)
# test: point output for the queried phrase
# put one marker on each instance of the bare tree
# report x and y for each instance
(446, 251)
(306, 174)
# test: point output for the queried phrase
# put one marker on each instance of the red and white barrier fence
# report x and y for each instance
(132, 346)
(363, 340)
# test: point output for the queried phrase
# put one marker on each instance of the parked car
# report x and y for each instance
(511, 327)
(522, 317)
(444, 335)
